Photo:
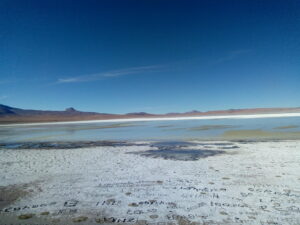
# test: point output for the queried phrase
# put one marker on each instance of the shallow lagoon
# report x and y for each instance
(211, 129)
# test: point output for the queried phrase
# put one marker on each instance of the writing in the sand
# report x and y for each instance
(68, 203)
(26, 207)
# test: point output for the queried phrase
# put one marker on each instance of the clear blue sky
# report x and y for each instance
(122, 56)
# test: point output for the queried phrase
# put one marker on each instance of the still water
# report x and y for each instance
(212, 129)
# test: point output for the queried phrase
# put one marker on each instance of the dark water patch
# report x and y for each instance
(174, 129)
(106, 126)
(250, 141)
(164, 126)
(230, 147)
(214, 144)
(11, 145)
(219, 144)
(185, 144)
(179, 154)
(286, 127)
(65, 145)
(173, 144)
(210, 127)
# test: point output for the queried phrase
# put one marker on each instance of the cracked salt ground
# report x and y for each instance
(256, 183)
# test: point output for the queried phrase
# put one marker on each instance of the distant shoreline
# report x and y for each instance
(241, 116)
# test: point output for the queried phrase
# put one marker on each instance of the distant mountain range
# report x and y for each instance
(15, 115)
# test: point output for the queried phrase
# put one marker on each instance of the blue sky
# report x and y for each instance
(123, 56)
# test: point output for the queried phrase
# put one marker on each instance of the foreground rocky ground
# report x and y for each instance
(151, 183)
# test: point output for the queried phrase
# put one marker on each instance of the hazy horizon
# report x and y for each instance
(187, 111)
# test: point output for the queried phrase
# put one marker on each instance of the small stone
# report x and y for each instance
(185, 221)
(133, 204)
(25, 216)
(223, 213)
(172, 204)
(252, 217)
(79, 219)
(111, 200)
(159, 181)
(225, 178)
(153, 216)
(128, 193)
(211, 182)
(99, 220)
(141, 222)
(45, 213)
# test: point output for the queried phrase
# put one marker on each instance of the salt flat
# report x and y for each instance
(208, 182)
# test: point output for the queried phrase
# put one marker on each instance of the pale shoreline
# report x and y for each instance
(249, 116)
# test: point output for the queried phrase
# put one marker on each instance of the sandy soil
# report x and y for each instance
(153, 183)
(259, 135)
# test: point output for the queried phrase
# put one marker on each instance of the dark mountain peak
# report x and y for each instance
(138, 113)
(4, 109)
(71, 109)
(194, 111)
